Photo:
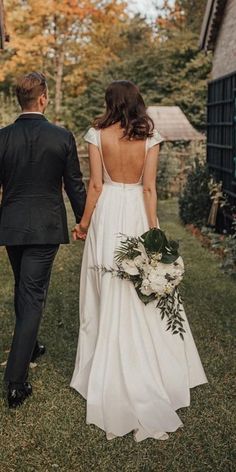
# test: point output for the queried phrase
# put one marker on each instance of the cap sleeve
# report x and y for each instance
(92, 137)
(155, 139)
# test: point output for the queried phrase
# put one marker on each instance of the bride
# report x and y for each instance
(133, 373)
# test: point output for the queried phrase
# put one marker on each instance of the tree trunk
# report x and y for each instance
(2, 29)
(58, 89)
(3, 32)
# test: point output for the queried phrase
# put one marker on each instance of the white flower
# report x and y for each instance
(140, 248)
(179, 265)
(159, 285)
(155, 272)
(146, 288)
(129, 267)
(154, 282)
(155, 259)
(175, 269)
(141, 263)
(152, 274)
(169, 289)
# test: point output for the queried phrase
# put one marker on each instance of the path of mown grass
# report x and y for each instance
(49, 432)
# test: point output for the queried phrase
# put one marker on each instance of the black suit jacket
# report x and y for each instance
(36, 157)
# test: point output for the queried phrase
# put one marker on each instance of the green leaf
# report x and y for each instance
(169, 258)
(155, 240)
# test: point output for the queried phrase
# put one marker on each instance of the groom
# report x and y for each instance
(36, 159)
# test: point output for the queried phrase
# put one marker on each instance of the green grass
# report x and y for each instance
(49, 433)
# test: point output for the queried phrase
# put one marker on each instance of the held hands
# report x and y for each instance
(79, 232)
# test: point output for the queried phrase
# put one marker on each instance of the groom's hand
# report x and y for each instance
(79, 232)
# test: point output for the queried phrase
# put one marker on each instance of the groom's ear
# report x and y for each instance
(44, 99)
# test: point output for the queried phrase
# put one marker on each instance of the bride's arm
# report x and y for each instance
(149, 185)
(94, 187)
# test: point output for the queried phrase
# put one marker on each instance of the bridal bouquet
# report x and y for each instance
(155, 268)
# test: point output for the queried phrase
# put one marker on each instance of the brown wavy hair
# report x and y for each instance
(125, 105)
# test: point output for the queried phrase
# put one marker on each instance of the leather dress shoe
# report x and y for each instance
(16, 395)
(39, 351)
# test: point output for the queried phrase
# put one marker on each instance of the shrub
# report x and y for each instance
(167, 173)
(195, 201)
(229, 262)
(225, 246)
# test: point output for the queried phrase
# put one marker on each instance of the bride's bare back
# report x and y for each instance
(124, 159)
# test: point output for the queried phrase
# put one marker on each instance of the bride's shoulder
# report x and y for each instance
(155, 139)
(92, 136)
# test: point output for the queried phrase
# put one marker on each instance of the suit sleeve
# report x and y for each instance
(73, 182)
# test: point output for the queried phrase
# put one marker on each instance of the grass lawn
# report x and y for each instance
(48, 433)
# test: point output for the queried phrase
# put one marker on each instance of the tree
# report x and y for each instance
(83, 46)
(168, 70)
(193, 15)
(182, 14)
(54, 36)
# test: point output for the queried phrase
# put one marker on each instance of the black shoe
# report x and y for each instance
(17, 394)
(28, 388)
(39, 351)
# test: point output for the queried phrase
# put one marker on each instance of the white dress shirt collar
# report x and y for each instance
(31, 113)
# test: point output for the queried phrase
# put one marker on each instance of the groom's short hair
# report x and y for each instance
(29, 87)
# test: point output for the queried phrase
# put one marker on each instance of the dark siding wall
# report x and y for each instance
(221, 136)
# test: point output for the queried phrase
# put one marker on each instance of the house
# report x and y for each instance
(173, 125)
(218, 35)
(183, 143)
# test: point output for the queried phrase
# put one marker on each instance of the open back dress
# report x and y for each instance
(133, 373)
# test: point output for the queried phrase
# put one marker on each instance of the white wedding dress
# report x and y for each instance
(133, 373)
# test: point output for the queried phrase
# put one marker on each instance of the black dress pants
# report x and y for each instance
(32, 267)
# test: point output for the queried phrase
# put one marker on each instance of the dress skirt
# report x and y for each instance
(133, 373)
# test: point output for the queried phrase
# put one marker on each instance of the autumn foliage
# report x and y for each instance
(61, 38)
(82, 45)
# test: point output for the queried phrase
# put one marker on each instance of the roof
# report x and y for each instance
(211, 23)
(173, 125)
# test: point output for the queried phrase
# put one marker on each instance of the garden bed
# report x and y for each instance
(223, 245)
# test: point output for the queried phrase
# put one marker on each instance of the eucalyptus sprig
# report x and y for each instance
(171, 307)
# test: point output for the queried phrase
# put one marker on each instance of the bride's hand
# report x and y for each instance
(79, 232)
